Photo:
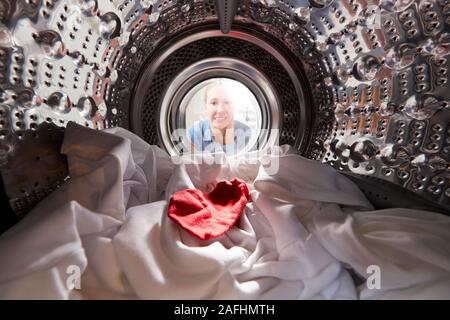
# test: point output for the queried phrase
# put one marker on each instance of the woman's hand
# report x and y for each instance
(223, 137)
(217, 135)
(229, 135)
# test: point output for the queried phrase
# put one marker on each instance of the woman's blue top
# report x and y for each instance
(200, 136)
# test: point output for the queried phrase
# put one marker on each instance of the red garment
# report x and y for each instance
(209, 215)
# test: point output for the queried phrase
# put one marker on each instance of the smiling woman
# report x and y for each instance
(221, 115)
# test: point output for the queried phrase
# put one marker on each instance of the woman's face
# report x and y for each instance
(219, 107)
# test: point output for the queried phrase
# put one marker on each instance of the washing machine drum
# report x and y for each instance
(360, 85)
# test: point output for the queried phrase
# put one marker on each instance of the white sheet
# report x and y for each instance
(303, 225)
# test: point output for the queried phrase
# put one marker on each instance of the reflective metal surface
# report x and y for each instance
(377, 73)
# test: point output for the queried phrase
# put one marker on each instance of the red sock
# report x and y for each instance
(209, 215)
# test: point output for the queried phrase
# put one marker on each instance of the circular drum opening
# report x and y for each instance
(267, 90)
(218, 104)
(220, 114)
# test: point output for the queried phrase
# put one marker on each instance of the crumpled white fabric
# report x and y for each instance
(304, 228)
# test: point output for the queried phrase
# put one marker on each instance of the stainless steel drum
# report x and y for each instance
(362, 85)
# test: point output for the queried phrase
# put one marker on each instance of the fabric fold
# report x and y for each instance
(304, 228)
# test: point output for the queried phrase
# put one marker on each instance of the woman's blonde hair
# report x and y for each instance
(215, 83)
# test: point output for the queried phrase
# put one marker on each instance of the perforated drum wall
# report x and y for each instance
(376, 85)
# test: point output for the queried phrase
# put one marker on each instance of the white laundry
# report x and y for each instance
(304, 226)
